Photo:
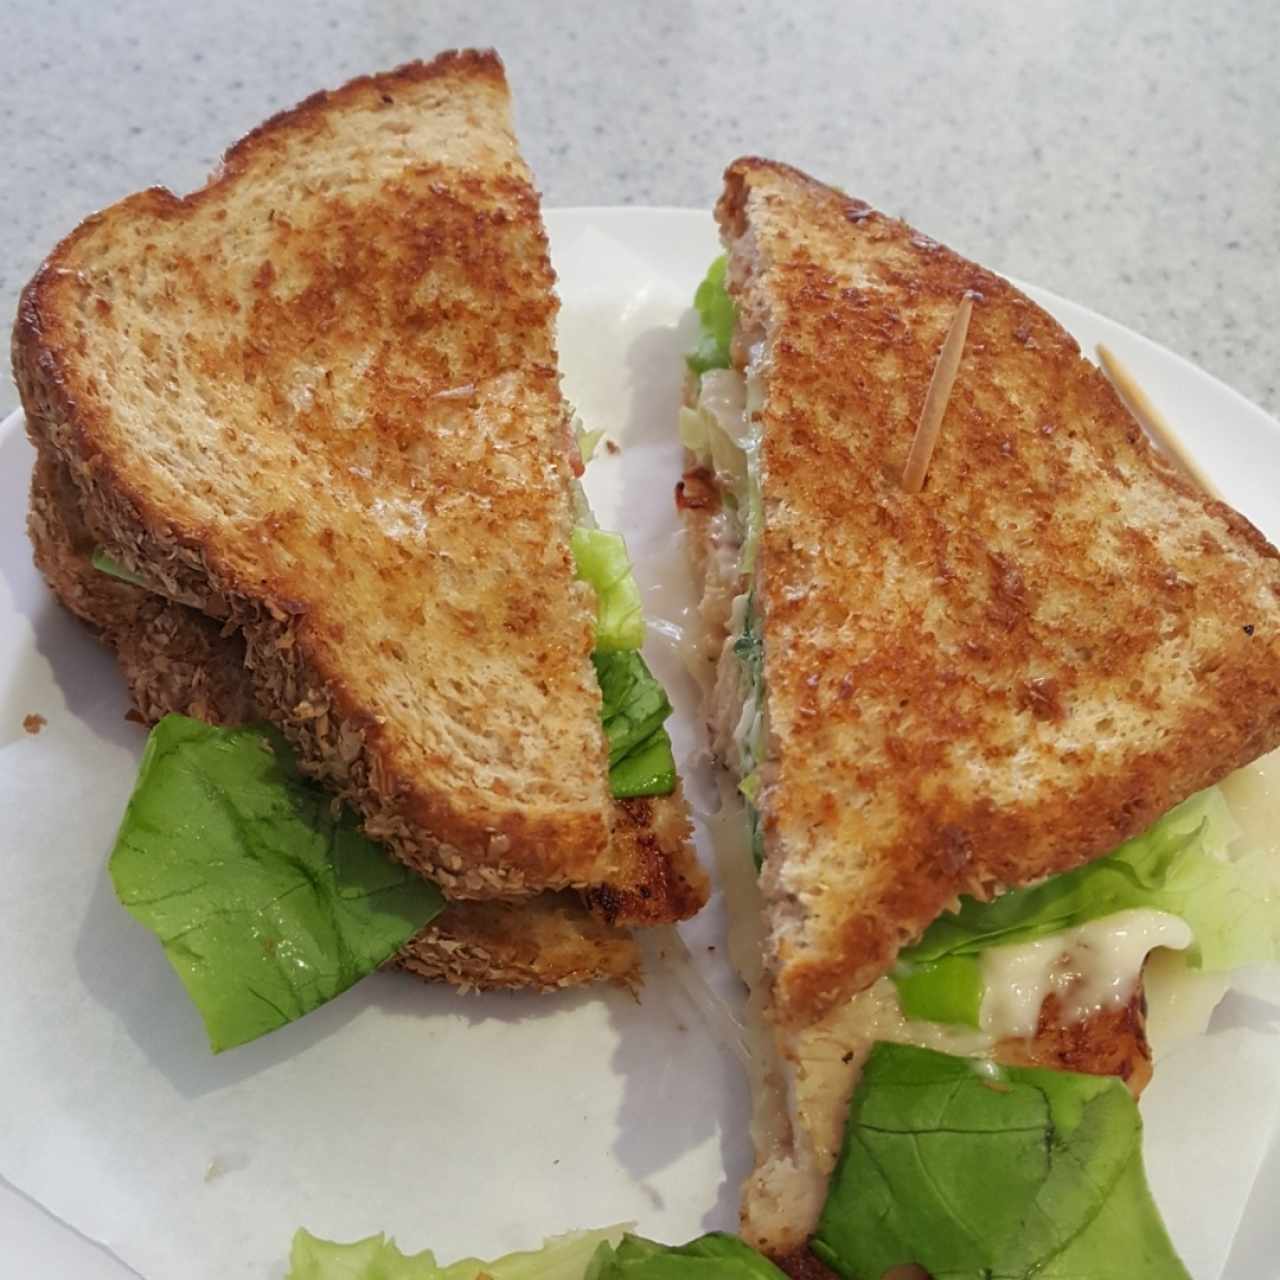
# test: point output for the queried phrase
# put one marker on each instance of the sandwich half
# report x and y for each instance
(177, 661)
(977, 728)
(310, 416)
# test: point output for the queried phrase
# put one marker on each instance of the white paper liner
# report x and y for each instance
(469, 1125)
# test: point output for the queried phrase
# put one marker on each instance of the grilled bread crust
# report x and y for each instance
(544, 943)
(1001, 677)
(318, 397)
(174, 659)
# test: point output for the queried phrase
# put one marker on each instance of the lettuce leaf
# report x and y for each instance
(1018, 1174)
(564, 1257)
(587, 440)
(949, 990)
(711, 445)
(711, 1256)
(266, 903)
(635, 707)
(716, 320)
(113, 568)
(1179, 865)
(635, 704)
(650, 770)
(748, 648)
(755, 834)
(602, 560)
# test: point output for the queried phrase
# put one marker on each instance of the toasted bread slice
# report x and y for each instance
(996, 679)
(544, 943)
(318, 398)
(174, 659)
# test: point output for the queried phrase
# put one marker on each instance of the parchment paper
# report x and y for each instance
(470, 1125)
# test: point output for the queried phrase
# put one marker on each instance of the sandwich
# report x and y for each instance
(177, 662)
(984, 718)
(304, 464)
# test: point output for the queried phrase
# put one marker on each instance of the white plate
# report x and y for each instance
(465, 1125)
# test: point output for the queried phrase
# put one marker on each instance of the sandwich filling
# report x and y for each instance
(1067, 974)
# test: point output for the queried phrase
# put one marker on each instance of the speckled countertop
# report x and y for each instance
(1127, 155)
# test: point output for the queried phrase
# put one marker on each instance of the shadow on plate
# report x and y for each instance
(655, 384)
(402, 995)
(682, 1087)
(1239, 1009)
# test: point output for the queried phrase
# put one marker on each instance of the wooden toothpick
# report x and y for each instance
(1153, 422)
(935, 401)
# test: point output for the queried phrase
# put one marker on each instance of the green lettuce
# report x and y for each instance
(267, 903)
(634, 704)
(713, 447)
(564, 1257)
(587, 441)
(949, 990)
(650, 770)
(113, 568)
(748, 648)
(709, 1257)
(1180, 866)
(602, 560)
(635, 707)
(1011, 1174)
(716, 320)
(755, 834)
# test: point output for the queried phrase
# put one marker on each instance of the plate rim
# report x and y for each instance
(588, 215)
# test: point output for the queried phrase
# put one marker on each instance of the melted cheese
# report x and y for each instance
(1089, 968)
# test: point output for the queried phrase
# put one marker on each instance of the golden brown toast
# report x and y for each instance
(318, 398)
(1001, 677)
(544, 943)
(174, 659)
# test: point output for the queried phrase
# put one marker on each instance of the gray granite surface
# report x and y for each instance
(1126, 154)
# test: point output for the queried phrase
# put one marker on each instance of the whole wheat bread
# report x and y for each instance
(318, 399)
(966, 689)
(175, 659)
(1001, 677)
